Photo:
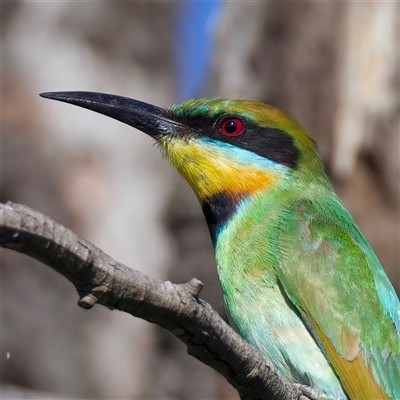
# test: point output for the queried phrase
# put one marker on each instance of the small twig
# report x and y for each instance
(98, 278)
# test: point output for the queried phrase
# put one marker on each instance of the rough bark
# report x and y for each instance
(100, 279)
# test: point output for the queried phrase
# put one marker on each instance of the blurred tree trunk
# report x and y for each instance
(335, 66)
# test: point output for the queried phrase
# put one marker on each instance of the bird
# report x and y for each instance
(299, 280)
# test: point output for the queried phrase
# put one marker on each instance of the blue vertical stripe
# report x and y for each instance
(194, 45)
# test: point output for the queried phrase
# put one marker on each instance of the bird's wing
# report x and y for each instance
(332, 275)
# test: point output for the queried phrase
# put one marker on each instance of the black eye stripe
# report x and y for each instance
(272, 143)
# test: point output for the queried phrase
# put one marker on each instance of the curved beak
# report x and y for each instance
(155, 121)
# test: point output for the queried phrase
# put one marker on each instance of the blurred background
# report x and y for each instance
(334, 65)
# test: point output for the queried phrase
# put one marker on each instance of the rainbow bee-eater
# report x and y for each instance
(299, 280)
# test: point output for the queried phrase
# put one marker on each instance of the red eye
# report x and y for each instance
(232, 126)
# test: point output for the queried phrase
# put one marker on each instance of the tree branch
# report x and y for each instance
(98, 278)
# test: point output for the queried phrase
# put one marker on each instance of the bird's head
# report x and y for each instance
(227, 150)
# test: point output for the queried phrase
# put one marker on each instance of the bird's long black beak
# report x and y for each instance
(154, 121)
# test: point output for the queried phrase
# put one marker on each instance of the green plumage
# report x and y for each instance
(307, 247)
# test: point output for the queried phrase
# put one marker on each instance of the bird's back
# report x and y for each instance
(301, 283)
